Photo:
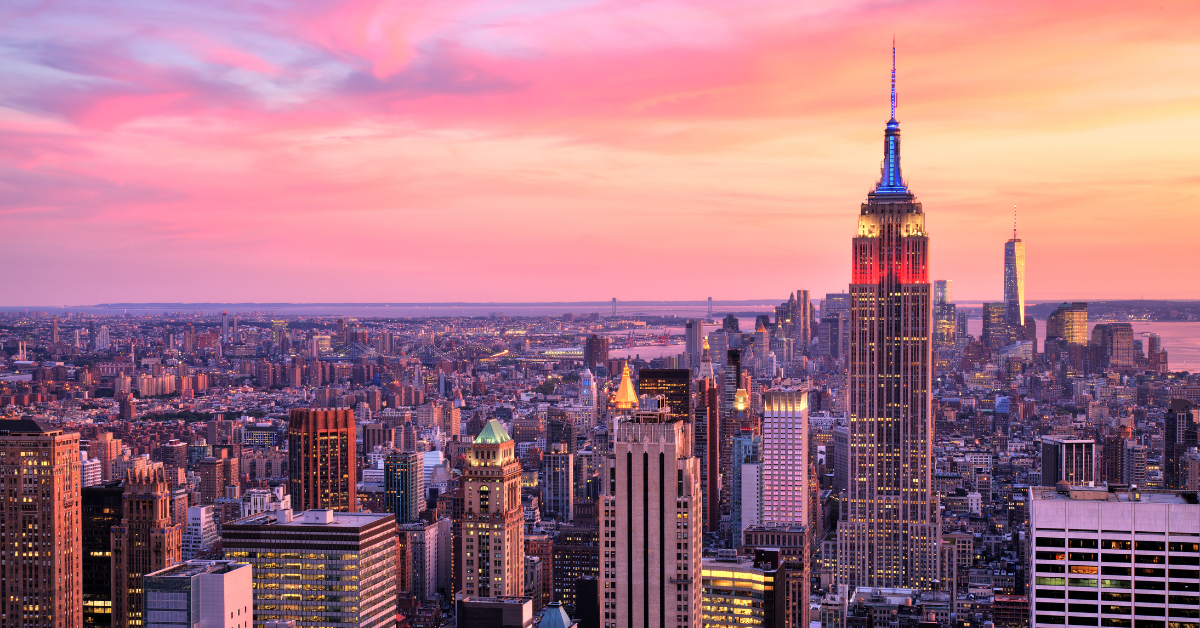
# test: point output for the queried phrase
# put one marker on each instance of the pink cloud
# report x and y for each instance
(486, 150)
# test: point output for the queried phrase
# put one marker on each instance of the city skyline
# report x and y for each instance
(286, 147)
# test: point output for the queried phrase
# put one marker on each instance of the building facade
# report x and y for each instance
(493, 523)
(322, 466)
(200, 594)
(651, 571)
(147, 540)
(41, 556)
(336, 567)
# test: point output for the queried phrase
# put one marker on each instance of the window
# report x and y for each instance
(1150, 546)
(1084, 556)
(1050, 555)
(1150, 584)
(1115, 545)
(1083, 543)
(1113, 622)
(1115, 571)
(1051, 606)
(1116, 597)
(1114, 584)
(1114, 558)
(1151, 598)
(1110, 609)
(1083, 582)
(1049, 541)
(1075, 620)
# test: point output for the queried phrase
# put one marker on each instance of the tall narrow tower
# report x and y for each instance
(653, 530)
(1014, 279)
(41, 564)
(888, 533)
(492, 543)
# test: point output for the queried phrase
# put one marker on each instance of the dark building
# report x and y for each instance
(403, 482)
(1179, 434)
(730, 323)
(321, 460)
(673, 384)
(706, 445)
(576, 556)
(102, 507)
(595, 351)
(587, 603)
(495, 612)
(560, 428)
(995, 329)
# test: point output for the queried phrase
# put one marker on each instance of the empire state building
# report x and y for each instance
(888, 535)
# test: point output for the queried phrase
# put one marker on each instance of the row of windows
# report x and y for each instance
(1115, 544)
(1112, 622)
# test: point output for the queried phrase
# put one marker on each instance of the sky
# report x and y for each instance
(562, 150)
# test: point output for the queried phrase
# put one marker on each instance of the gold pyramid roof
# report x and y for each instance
(626, 398)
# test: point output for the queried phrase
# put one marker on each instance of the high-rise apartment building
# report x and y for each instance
(146, 541)
(595, 351)
(706, 445)
(693, 335)
(404, 485)
(673, 384)
(1014, 280)
(321, 460)
(41, 568)
(201, 534)
(558, 483)
(493, 524)
(995, 326)
(1073, 460)
(200, 594)
(1179, 436)
(1068, 323)
(802, 324)
(339, 567)
(785, 451)
(651, 561)
(888, 535)
(1124, 558)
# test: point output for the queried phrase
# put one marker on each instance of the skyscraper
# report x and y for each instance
(102, 508)
(674, 384)
(1014, 280)
(41, 555)
(1069, 323)
(785, 447)
(1179, 435)
(146, 541)
(802, 324)
(493, 525)
(651, 574)
(889, 533)
(693, 335)
(321, 460)
(404, 485)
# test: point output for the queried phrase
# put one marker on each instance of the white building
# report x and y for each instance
(91, 470)
(200, 594)
(1113, 558)
(785, 498)
(201, 534)
(257, 500)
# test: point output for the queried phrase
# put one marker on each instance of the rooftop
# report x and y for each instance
(25, 426)
(312, 518)
(1114, 494)
(194, 568)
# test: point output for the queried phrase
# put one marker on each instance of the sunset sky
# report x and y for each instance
(560, 150)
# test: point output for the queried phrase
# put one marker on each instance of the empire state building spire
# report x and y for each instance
(891, 181)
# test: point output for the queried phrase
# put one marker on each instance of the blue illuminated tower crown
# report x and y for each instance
(891, 181)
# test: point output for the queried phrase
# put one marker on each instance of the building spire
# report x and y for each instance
(891, 181)
(893, 78)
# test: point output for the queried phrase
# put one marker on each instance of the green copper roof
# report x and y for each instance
(493, 434)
